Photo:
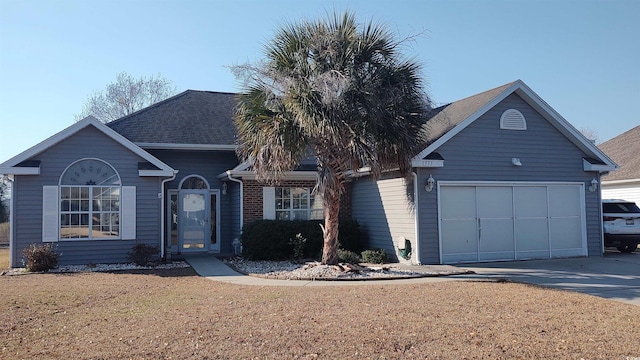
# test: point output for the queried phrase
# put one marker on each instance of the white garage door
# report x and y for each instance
(511, 222)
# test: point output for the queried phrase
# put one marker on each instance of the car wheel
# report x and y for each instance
(627, 248)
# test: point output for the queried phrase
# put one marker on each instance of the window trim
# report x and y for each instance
(90, 212)
(291, 210)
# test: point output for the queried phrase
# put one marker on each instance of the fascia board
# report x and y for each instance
(425, 163)
(15, 170)
(587, 166)
(620, 182)
(155, 173)
(177, 146)
(289, 175)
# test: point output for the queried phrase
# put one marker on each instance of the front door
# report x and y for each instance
(194, 218)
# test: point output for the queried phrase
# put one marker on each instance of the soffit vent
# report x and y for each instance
(513, 119)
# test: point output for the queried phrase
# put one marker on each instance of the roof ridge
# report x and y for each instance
(486, 91)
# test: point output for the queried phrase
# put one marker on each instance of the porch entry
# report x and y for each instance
(193, 216)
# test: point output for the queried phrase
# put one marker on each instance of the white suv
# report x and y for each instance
(621, 221)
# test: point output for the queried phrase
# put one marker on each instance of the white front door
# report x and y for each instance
(193, 220)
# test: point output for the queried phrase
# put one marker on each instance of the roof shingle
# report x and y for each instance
(624, 150)
(191, 117)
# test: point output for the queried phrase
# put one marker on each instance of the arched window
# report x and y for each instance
(90, 197)
(194, 182)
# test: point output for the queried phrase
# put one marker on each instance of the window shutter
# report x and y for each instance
(50, 214)
(128, 213)
(269, 203)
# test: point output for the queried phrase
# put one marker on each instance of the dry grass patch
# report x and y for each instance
(173, 314)
(4, 258)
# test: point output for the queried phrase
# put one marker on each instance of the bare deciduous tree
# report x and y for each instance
(590, 134)
(125, 96)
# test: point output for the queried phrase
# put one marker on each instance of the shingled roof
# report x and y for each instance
(446, 117)
(189, 118)
(624, 150)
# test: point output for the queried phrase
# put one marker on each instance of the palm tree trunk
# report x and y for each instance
(331, 199)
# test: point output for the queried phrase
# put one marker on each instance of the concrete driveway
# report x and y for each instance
(613, 276)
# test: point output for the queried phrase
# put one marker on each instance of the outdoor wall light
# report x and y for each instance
(430, 183)
(224, 188)
(594, 185)
(516, 161)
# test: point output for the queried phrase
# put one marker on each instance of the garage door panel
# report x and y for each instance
(564, 201)
(459, 236)
(532, 234)
(460, 202)
(495, 202)
(496, 239)
(565, 233)
(530, 201)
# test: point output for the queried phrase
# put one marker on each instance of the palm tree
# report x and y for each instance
(339, 91)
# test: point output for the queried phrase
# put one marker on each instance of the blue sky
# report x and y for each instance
(581, 56)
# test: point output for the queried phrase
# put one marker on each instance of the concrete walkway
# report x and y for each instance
(614, 276)
(209, 266)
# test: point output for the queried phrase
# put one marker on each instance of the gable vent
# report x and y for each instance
(513, 119)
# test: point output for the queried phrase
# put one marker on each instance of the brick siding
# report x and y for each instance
(252, 203)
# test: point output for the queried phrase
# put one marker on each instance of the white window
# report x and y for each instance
(297, 204)
(89, 201)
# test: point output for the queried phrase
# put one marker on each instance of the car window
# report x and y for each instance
(620, 208)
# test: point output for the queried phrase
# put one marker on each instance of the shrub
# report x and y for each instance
(142, 254)
(349, 235)
(299, 242)
(40, 257)
(269, 239)
(376, 256)
(347, 256)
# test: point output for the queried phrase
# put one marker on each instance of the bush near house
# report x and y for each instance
(272, 239)
(375, 256)
(40, 257)
(143, 254)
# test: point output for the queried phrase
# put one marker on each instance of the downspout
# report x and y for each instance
(417, 218)
(12, 228)
(162, 214)
(230, 177)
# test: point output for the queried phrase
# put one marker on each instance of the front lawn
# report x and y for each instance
(4, 258)
(176, 314)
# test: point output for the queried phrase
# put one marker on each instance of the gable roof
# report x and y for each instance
(448, 120)
(624, 149)
(189, 120)
(20, 164)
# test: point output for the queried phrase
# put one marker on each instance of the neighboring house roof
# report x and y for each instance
(448, 120)
(23, 163)
(624, 149)
(190, 120)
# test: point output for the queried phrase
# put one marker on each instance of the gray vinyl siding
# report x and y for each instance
(483, 152)
(87, 143)
(384, 212)
(208, 164)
